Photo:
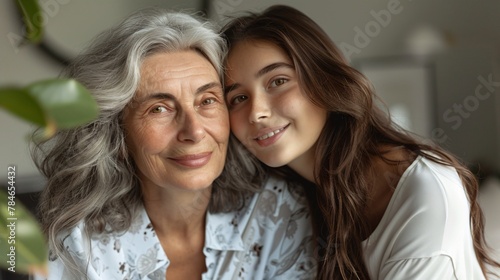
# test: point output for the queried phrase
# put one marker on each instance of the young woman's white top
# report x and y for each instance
(425, 231)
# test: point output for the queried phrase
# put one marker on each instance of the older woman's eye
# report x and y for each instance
(278, 82)
(208, 101)
(158, 109)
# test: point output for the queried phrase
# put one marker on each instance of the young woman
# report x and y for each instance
(391, 206)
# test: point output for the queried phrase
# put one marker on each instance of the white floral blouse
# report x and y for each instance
(271, 238)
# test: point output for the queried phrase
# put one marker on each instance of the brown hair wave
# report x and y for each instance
(354, 130)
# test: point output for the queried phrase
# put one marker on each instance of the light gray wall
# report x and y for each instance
(468, 22)
(467, 88)
(470, 29)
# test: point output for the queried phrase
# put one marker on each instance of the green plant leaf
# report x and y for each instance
(20, 103)
(66, 102)
(33, 19)
(22, 243)
(55, 104)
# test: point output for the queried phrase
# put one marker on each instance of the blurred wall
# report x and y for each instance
(461, 40)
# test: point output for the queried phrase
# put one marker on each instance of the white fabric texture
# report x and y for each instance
(489, 199)
(271, 238)
(425, 231)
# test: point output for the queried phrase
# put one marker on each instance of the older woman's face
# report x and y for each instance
(177, 126)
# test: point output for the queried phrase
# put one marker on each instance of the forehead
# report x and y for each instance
(254, 55)
(166, 68)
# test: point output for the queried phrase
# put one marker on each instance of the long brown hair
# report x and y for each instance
(354, 130)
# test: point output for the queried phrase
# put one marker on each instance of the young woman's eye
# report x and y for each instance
(278, 82)
(159, 109)
(238, 99)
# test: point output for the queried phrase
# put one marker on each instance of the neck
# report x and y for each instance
(384, 177)
(304, 165)
(177, 212)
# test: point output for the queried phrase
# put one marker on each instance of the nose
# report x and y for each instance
(260, 108)
(192, 129)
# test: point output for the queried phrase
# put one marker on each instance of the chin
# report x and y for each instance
(202, 182)
(273, 162)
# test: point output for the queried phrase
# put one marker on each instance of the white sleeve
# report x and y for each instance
(425, 231)
(436, 267)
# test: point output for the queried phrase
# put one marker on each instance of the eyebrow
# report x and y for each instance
(272, 67)
(162, 95)
(260, 73)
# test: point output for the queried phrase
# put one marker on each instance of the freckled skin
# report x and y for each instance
(273, 99)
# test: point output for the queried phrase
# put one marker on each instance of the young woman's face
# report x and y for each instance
(269, 113)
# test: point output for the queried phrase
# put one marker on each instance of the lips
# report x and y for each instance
(270, 134)
(267, 138)
(193, 160)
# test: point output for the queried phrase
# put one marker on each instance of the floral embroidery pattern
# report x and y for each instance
(270, 238)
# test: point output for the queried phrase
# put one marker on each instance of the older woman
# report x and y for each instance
(142, 192)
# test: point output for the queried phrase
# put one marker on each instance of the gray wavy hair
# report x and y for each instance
(90, 175)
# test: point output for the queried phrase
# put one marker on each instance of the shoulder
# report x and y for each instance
(279, 201)
(285, 192)
(75, 253)
(276, 231)
(276, 202)
(80, 238)
(429, 212)
(426, 225)
(74, 239)
(426, 182)
(265, 212)
(79, 244)
(111, 253)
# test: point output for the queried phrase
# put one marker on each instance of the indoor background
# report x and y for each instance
(434, 63)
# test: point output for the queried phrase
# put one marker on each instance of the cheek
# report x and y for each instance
(306, 114)
(316, 119)
(290, 106)
(145, 139)
(220, 128)
(237, 124)
(296, 104)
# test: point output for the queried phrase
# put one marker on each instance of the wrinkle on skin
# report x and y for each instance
(178, 112)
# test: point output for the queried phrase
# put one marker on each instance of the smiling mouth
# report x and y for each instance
(193, 160)
(271, 134)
